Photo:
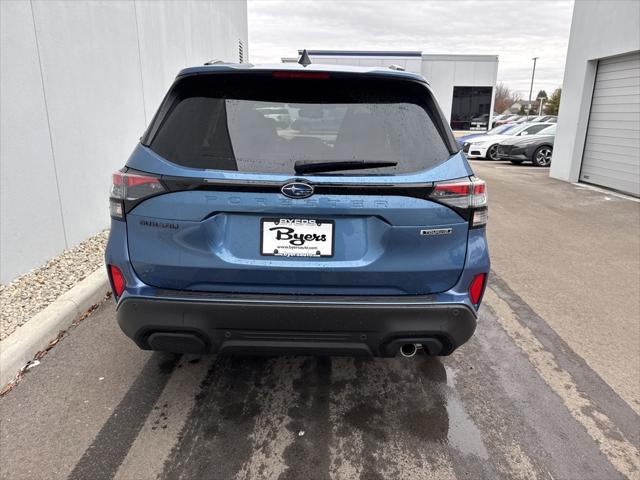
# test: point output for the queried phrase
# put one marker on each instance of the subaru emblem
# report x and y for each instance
(297, 190)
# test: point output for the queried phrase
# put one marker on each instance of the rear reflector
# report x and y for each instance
(117, 280)
(476, 288)
(302, 75)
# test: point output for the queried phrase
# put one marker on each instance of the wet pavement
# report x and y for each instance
(517, 401)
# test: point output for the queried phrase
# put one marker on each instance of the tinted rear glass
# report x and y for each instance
(262, 124)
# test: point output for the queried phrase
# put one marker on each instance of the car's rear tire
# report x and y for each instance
(516, 162)
(542, 156)
(492, 152)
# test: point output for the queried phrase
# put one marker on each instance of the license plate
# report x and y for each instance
(296, 237)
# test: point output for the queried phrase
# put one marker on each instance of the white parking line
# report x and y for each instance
(156, 439)
(621, 453)
(514, 167)
(584, 186)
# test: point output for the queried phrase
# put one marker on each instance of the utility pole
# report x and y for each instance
(533, 74)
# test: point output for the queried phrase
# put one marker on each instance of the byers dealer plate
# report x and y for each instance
(296, 237)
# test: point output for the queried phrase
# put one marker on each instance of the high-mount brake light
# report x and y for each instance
(302, 75)
(468, 194)
(131, 186)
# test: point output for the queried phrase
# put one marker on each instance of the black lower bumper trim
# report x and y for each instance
(520, 156)
(320, 327)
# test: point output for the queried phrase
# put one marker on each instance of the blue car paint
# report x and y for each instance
(201, 255)
(464, 138)
(476, 262)
(389, 259)
(210, 244)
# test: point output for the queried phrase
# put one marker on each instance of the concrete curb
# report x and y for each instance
(20, 347)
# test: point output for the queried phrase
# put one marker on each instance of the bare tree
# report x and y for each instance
(553, 104)
(505, 97)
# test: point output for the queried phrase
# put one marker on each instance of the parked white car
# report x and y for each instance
(486, 146)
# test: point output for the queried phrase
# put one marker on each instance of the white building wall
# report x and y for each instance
(80, 80)
(443, 72)
(30, 216)
(599, 29)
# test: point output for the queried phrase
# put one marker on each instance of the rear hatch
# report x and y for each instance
(298, 182)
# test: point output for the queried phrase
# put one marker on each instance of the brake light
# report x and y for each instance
(467, 195)
(476, 288)
(302, 75)
(131, 186)
(117, 280)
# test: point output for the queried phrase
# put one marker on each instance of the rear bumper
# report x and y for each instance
(373, 326)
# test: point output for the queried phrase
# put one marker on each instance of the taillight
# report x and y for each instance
(301, 75)
(476, 288)
(117, 280)
(468, 196)
(128, 186)
(134, 186)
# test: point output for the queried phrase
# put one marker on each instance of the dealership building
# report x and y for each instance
(598, 139)
(464, 85)
(80, 81)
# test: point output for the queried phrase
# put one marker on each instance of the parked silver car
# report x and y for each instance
(536, 149)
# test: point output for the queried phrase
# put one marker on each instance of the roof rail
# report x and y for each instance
(215, 62)
(396, 67)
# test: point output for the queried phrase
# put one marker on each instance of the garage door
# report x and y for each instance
(612, 148)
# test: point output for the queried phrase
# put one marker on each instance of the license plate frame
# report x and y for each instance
(274, 247)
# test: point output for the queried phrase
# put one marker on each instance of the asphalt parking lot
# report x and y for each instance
(548, 388)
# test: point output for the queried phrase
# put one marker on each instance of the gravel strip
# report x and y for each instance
(32, 292)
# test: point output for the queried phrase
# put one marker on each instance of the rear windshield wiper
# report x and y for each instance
(316, 167)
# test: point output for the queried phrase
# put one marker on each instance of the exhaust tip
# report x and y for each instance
(408, 350)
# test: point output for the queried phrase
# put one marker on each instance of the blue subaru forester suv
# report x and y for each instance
(284, 209)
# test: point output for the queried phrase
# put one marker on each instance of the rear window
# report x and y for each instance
(534, 129)
(254, 123)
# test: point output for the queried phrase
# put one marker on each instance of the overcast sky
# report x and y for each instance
(514, 30)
